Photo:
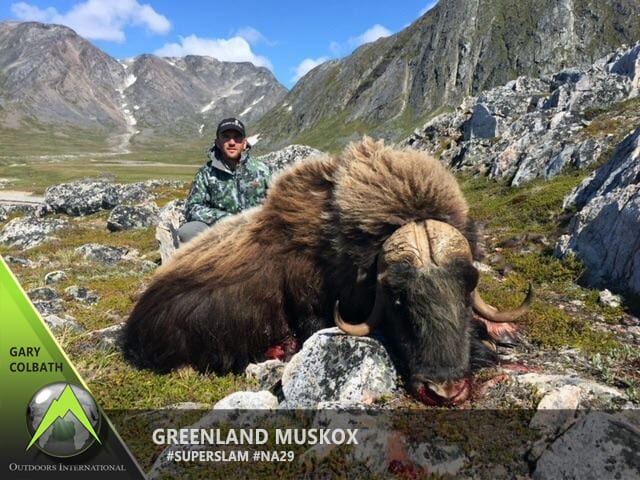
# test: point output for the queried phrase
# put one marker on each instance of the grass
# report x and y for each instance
(534, 208)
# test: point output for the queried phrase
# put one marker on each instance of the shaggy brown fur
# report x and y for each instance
(252, 280)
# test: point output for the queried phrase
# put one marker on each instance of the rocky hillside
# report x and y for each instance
(50, 76)
(571, 121)
(458, 48)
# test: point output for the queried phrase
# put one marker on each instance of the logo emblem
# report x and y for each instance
(62, 419)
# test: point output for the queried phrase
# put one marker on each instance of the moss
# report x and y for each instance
(533, 207)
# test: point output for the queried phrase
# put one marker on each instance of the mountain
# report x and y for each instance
(49, 73)
(50, 76)
(458, 48)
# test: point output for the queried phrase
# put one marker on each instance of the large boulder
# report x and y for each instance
(86, 197)
(338, 370)
(604, 231)
(598, 446)
(28, 232)
(81, 197)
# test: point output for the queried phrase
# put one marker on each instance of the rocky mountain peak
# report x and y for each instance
(50, 75)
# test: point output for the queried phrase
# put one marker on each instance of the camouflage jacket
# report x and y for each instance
(217, 191)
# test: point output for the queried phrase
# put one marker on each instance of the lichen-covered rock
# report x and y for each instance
(248, 401)
(80, 197)
(288, 156)
(43, 293)
(334, 367)
(57, 323)
(81, 294)
(56, 276)
(267, 374)
(23, 262)
(108, 338)
(128, 217)
(599, 446)
(604, 231)
(531, 128)
(28, 232)
(105, 254)
(85, 197)
(170, 217)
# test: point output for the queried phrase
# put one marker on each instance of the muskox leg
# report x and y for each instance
(499, 333)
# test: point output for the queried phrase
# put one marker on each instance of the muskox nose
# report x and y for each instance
(448, 392)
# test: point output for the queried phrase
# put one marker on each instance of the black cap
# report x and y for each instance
(230, 124)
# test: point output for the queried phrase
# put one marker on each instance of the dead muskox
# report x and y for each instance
(375, 238)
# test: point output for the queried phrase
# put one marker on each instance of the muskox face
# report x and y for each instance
(424, 306)
(427, 320)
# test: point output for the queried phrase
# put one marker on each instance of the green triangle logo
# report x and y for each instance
(34, 366)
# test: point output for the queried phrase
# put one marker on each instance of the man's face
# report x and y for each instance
(232, 144)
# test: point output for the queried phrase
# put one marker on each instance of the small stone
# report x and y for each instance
(609, 299)
(43, 293)
(81, 294)
(267, 374)
(54, 277)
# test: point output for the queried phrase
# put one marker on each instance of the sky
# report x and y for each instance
(287, 37)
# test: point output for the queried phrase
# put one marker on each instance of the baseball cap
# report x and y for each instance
(230, 124)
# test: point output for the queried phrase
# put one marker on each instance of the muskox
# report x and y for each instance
(373, 239)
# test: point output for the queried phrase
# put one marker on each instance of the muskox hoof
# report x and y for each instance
(498, 333)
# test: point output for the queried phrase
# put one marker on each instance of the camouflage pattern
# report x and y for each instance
(217, 192)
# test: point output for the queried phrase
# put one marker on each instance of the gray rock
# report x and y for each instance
(56, 323)
(81, 294)
(170, 217)
(81, 197)
(603, 232)
(125, 217)
(334, 367)
(102, 253)
(54, 277)
(590, 391)
(598, 446)
(262, 400)
(49, 307)
(109, 337)
(23, 262)
(528, 128)
(267, 374)
(288, 156)
(43, 293)
(609, 299)
(28, 232)
(556, 410)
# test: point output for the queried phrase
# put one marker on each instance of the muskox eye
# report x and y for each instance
(397, 303)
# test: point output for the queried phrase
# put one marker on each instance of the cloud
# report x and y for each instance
(234, 49)
(371, 35)
(98, 19)
(253, 36)
(335, 48)
(305, 66)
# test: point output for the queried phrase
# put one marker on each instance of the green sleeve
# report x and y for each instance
(199, 203)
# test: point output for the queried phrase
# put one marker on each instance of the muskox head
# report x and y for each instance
(424, 306)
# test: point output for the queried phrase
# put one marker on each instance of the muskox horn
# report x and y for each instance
(366, 327)
(493, 314)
